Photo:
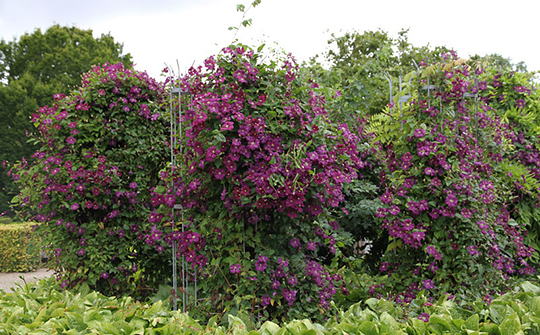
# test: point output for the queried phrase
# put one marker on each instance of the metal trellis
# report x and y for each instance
(175, 109)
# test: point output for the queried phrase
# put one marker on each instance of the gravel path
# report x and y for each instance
(8, 280)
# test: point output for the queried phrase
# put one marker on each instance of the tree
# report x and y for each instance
(362, 63)
(34, 68)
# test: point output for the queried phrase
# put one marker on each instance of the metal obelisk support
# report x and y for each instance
(172, 144)
(176, 148)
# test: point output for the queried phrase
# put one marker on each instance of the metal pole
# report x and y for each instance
(172, 145)
(178, 127)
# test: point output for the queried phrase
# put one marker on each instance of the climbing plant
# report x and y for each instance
(101, 148)
(262, 168)
(449, 185)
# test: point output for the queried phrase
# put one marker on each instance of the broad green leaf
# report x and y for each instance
(138, 322)
(92, 315)
(107, 328)
(236, 325)
(386, 306)
(472, 323)
(269, 328)
(498, 311)
(439, 324)
(75, 321)
(418, 326)
(529, 287)
(388, 323)
(346, 327)
(369, 328)
(511, 325)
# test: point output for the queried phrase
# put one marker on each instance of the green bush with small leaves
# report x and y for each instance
(19, 248)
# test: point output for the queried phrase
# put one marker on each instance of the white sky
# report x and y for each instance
(156, 32)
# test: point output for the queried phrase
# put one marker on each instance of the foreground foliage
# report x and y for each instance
(42, 308)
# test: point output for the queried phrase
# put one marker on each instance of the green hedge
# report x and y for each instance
(5, 220)
(19, 248)
(42, 308)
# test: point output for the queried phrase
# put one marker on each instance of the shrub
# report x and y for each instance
(513, 97)
(19, 248)
(102, 147)
(449, 199)
(262, 166)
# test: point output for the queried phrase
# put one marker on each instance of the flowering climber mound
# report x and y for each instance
(88, 185)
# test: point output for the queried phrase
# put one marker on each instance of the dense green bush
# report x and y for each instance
(33, 67)
(514, 98)
(275, 195)
(20, 248)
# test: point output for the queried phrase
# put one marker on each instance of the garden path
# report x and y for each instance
(8, 280)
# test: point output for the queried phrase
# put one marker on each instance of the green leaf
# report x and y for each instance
(418, 326)
(472, 323)
(534, 304)
(511, 325)
(369, 328)
(439, 324)
(269, 328)
(92, 315)
(498, 311)
(386, 307)
(530, 287)
(75, 321)
(220, 137)
(388, 323)
(346, 328)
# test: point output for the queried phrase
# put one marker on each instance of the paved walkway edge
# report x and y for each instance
(8, 280)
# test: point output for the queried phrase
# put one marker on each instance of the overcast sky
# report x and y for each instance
(156, 32)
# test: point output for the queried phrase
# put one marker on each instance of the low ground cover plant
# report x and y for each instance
(44, 308)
